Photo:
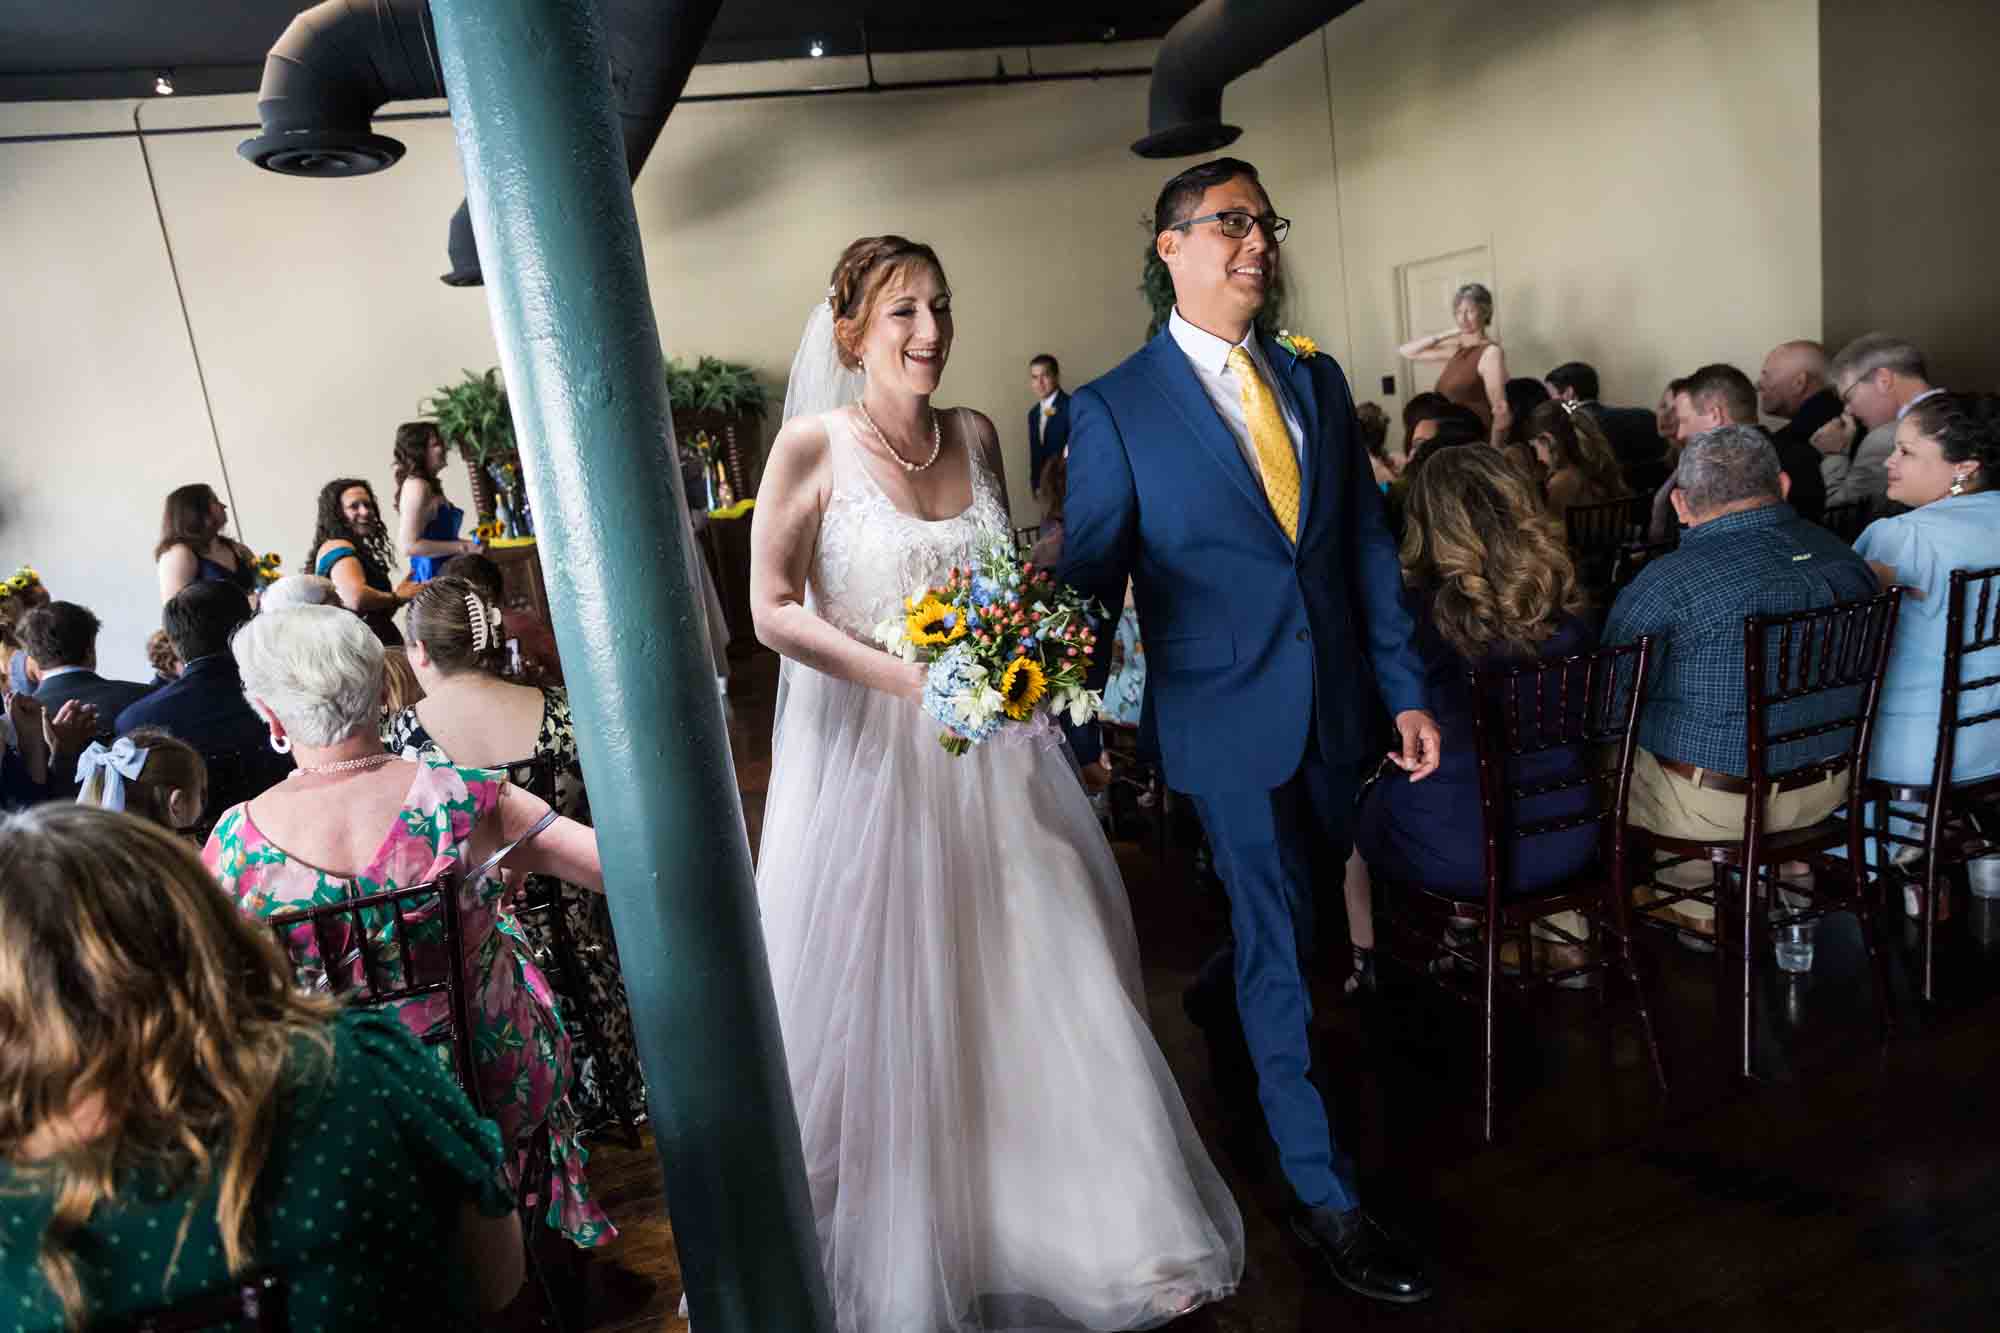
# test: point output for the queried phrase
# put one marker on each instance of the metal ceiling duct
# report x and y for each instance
(341, 61)
(336, 65)
(1215, 42)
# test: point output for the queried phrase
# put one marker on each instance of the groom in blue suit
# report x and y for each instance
(1223, 473)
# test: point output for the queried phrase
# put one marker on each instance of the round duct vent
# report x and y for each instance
(322, 153)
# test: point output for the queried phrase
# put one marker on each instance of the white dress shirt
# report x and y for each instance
(1209, 355)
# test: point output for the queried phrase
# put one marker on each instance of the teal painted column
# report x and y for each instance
(552, 209)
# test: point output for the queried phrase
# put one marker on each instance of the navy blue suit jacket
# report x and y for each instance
(206, 708)
(1046, 438)
(1251, 643)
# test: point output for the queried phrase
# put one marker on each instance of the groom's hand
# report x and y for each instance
(1421, 744)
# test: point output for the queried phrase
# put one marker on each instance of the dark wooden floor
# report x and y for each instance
(1856, 1188)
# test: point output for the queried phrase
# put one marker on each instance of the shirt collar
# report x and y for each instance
(1904, 410)
(1050, 401)
(1763, 516)
(50, 673)
(1205, 349)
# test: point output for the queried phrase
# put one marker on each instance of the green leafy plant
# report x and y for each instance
(474, 415)
(1156, 284)
(715, 385)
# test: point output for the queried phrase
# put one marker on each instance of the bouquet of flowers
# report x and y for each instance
(1005, 644)
(270, 567)
(23, 579)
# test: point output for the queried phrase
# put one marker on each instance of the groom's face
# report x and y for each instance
(1215, 276)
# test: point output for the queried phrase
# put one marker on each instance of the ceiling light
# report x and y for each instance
(816, 49)
(163, 84)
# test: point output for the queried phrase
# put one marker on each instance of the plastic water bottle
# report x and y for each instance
(1795, 947)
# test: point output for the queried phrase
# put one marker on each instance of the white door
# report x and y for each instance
(1427, 286)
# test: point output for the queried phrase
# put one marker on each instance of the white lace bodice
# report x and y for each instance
(871, 555)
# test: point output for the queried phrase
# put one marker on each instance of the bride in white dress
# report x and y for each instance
(992, 1137)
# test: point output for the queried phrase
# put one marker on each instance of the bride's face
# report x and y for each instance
(908, 337)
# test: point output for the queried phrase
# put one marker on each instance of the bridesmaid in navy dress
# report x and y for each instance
(192, 548)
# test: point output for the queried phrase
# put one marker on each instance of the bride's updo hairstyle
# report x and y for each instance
(459, 626)
(865, 268)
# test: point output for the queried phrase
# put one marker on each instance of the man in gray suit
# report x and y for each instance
(1879, 377)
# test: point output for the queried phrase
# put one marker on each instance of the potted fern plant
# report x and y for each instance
(725, 400)
(473, 415)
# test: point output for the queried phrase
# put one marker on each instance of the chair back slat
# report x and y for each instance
(1583, 703)
(1963, 639)
(1600, 529)
(383, 949)
(1842, 653)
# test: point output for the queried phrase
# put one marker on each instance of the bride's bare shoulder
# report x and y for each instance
(798, 463)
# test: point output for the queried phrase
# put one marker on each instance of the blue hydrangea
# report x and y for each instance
(952, 675)
(984, 590)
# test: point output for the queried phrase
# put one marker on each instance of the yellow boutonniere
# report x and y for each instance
(1048, 412)
(1297, 344)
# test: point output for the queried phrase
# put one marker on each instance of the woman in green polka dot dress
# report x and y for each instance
(175, 1115)
(351, 821)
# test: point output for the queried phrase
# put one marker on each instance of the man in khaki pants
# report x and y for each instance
(1745, 553)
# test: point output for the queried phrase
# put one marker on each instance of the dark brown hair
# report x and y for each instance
(441, 619)
(59, 634)
(413, 445)
(1966, 427)
(1180, 196)
(1577, 441)
(184, 521)
(1479, 539)
(865, 268)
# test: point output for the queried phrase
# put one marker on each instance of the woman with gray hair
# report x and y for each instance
(352, 820)
(1475, 369)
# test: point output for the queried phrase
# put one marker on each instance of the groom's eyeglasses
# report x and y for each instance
(1237, 225)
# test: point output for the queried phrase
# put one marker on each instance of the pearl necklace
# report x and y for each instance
(937, 440)
(344, 765)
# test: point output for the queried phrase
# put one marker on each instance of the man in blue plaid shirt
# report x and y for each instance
(1745, 553)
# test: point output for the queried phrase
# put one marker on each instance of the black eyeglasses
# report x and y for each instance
(1236, 224)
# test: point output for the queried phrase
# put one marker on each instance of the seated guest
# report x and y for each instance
(537, 642)
(166, 663)
(1577, 458)
(1374, 423)
(428, 521)
(1721, 395)
(1793, 386)
(1490, 582)
(1421, 407)
(172, 1107)
(1880, 377)
(299, 590)
(1746, 553)
(354, 821)
(148, 773)
(1524, 395)
(1451, 428)
(471, 717)
(61, 641)
(1665, 524)
(1632, 431)
(33, 737)
(351, 547)
(192, 547)
(206, 707)
(1947, 453)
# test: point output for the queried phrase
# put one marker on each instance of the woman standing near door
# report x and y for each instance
(1475, 368)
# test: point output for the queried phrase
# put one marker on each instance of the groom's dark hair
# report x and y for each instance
(1180, 196)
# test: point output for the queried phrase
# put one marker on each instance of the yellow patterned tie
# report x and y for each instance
(1273, 443)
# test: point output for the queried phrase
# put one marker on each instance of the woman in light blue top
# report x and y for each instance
(1946, 467)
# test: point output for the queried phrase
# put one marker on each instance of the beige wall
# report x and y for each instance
(1912, 181)
(1641, 171)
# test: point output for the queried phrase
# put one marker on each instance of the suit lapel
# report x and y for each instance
(1296, 379)
(1169, 369)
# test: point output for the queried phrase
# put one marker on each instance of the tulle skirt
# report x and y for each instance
(992, 1137)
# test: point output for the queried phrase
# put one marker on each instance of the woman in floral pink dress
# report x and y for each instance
(352, 820)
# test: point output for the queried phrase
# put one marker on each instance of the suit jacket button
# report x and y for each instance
(1303, 636)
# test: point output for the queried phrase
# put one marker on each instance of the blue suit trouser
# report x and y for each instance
(1271, 849)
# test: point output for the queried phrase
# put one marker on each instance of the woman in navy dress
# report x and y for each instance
(1490, 583)
(428, 522)
(192, 548)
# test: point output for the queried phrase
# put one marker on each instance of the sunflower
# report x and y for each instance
(932, 624)
(1022, 686)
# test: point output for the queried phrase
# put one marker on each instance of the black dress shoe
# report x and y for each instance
(1361, 1256)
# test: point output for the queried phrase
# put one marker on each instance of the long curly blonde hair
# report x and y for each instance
(1478, 538)
(145, 1024)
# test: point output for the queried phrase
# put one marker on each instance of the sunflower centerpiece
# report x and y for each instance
(1007, 648)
